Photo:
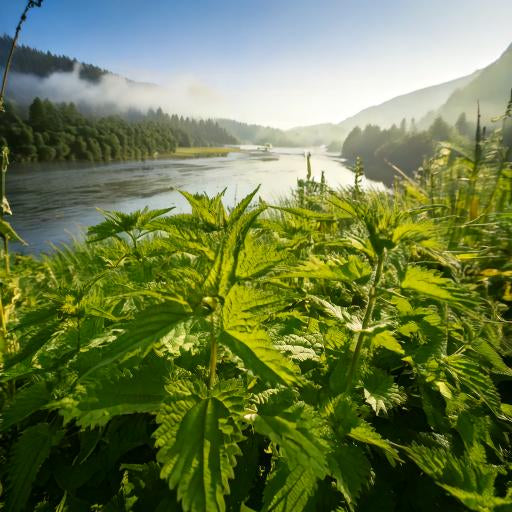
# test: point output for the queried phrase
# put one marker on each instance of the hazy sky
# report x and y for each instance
(275, 62)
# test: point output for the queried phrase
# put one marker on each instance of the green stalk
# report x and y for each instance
(23, 17)
(370, 306)
(213, 361)
(6, 255)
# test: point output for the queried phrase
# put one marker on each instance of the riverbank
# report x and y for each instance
(200, 152)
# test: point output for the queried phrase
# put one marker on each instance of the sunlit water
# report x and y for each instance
(52, 203)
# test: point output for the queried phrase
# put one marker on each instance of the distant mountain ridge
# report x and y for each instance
(490, 85)
(491, 88)
(415, 105)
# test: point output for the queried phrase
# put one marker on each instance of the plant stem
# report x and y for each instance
(370, 305)
(6, 255)
(213, 361)
(23, 17)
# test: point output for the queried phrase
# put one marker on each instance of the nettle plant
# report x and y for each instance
(266, 358)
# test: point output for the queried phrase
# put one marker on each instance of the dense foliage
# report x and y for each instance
(60, 132)
(347, 350)
(405, 146)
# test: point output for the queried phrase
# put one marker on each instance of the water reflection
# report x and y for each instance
(51, 203)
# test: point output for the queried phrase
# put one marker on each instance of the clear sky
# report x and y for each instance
(275, 62)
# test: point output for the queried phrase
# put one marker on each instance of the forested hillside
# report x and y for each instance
(408, 148)
(42, 64)
(256, 134)
(491, 87)
(59, 132)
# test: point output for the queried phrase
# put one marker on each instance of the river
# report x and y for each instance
(54, 202)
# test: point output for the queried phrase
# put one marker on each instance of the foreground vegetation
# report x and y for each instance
(348, 350)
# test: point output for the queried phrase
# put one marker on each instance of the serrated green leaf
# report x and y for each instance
(197, 441)
(289, 490)
(27, 456)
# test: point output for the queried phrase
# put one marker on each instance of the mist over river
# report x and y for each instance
(54, 202)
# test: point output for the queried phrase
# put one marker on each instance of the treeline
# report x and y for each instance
(404, 145)
(59, 132)
(43, 64)
(257, 134)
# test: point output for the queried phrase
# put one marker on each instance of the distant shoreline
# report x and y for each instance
(183, 153)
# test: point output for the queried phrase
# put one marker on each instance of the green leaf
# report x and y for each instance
(334, 269)
(27, 401)
(427, 282)
(471, 483)
(223, 272)
(298, 432)
(381, 392)
(208, 210)
(260, 357)
(386, 340)
(259, 255)
(477, 383)
(198, 438)
(352, 471)
(7, 231)
(365, 433)
(27, 456)
(118, 222)
(146, 329)
(289, 490)
(139, 390)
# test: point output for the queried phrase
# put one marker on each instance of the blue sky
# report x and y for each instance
(277, 62)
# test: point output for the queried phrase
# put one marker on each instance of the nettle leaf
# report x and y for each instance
(259, 254)
(136, 390)
(7, 231)
(189, 336)
(345, 421)
(116, 223)
(222, 274)
(365, 433)
(352, 471)
(209, 210)
(289, 490)
(471, 483)
(27, 401)
(299, 433)
(381, 392)
(414, 232)
(27, 456)
(387, 340)
(197, 441)
(334, 269)
(477, 383)
(299, 347)
(491, 355)
(260, 357)
(427, 282)
(146, 329)
(189, 239)
(245, 309)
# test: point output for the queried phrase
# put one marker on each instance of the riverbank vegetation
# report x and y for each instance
(345, 350)
(59, 132)
(407, 147)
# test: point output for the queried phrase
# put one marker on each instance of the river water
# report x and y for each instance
(53, 203)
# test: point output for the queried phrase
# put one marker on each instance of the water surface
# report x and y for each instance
(52, 203)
